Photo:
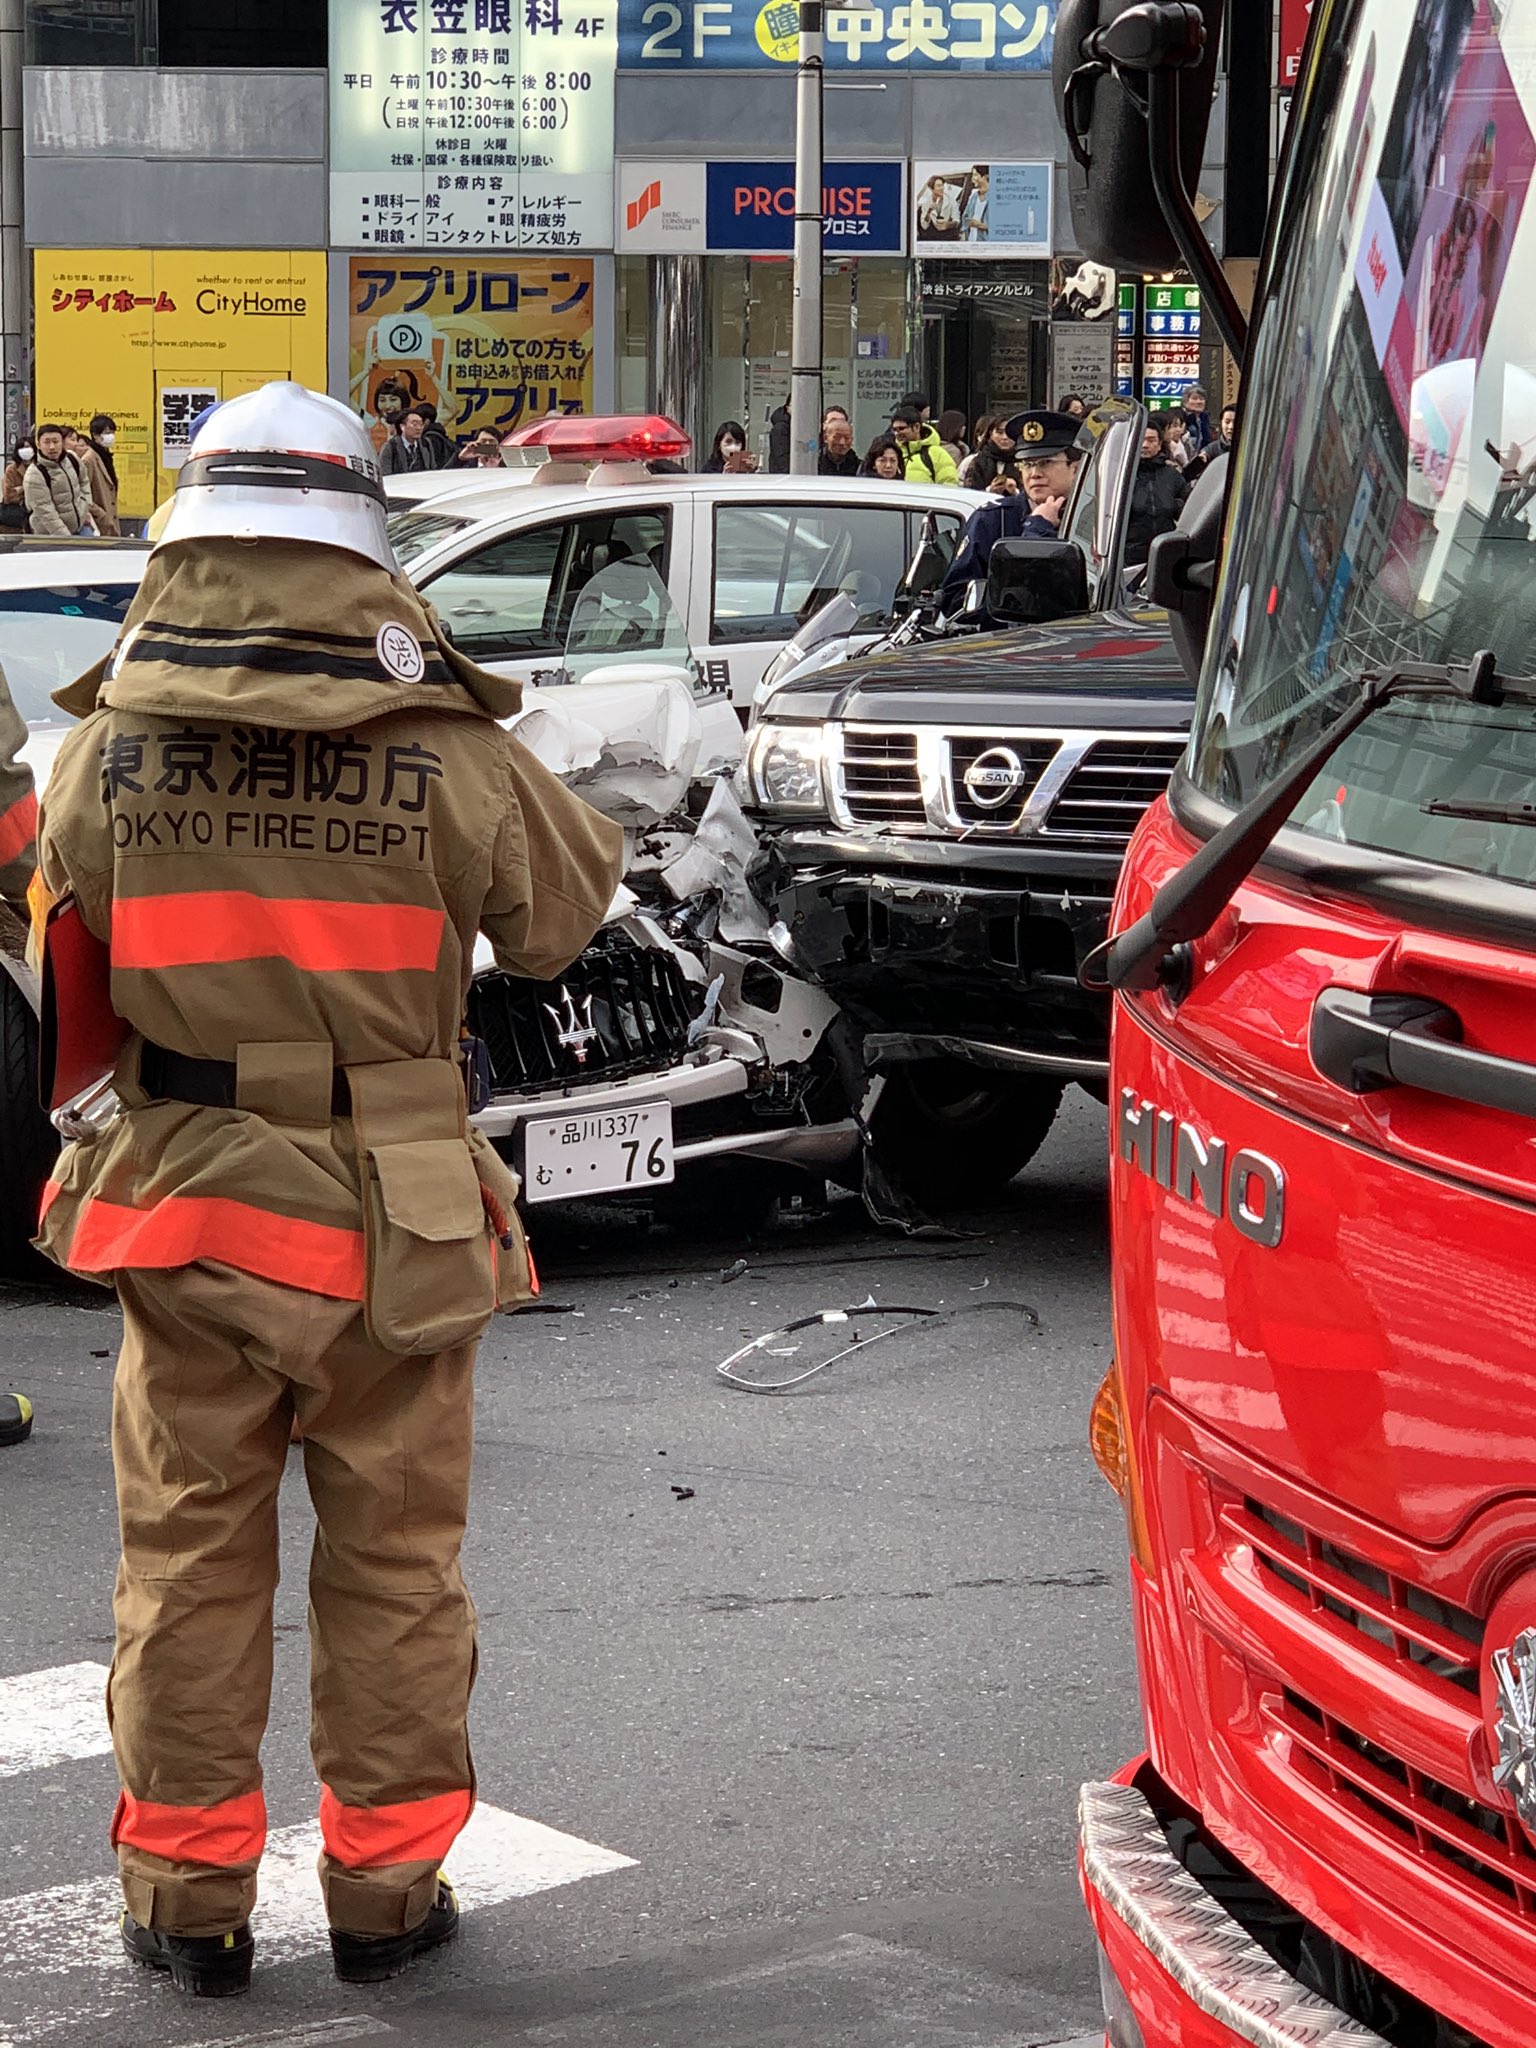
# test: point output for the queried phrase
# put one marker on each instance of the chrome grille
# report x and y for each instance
(880, 780)
(1010, 787)
(635, 999)
(1112, 785)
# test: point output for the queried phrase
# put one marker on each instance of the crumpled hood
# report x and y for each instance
(283, 633)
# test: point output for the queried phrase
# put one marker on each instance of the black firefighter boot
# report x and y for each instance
(371, 1958)
(207, 1965)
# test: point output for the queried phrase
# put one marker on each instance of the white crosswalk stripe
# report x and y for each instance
(52, 1717)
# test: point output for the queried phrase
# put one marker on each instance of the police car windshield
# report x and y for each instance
(413, 533)
(49, 637)
(1385, 503)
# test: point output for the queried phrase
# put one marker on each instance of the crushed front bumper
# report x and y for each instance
(1178, 1970)
(933, 957)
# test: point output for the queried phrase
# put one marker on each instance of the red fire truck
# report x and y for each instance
(1322, 1416)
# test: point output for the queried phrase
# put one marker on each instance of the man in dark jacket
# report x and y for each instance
(1047, 453)
(409, 452)
(1156, 496)
(838, 456)
(436, 437)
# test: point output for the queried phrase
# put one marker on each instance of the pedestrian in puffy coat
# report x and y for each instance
(924, 458)
(54, 489)
(1157, 497)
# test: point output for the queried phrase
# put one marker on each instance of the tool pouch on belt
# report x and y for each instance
(431, 1270)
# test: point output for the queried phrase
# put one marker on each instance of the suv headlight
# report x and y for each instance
(784, 769)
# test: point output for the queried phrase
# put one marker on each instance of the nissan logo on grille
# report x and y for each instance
(995, 778)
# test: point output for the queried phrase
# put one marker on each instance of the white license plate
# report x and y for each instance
(596, 1152)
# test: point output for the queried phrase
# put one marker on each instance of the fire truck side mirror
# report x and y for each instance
(1107, 58)
(1181, 566)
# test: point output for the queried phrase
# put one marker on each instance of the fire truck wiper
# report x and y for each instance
(1188, 905)
(1490, 814)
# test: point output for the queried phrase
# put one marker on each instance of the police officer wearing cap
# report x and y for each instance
(1047, 453)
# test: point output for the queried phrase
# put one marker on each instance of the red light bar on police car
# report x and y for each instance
(619, 437)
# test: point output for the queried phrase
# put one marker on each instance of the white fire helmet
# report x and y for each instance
(283, 463)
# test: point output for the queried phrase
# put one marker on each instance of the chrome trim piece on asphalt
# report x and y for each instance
(1127, 1860)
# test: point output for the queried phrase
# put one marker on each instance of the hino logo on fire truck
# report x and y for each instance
(1245, 1187)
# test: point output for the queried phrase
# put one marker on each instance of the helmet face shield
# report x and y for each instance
(283, 463)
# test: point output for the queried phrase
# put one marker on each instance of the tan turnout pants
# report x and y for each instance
(201, 1420)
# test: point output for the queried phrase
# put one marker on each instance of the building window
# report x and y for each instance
(187, 34)
(245, 32)
(113, 32)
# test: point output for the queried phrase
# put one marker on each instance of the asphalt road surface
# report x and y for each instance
(783, 1702)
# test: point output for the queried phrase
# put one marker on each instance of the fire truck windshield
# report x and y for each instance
(1385, 507)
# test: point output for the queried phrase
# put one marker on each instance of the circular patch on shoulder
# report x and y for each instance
(400, 653)
(121, 652)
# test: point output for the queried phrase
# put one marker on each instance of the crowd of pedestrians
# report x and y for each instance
(62, 483)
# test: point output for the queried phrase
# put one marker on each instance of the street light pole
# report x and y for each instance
(805, 327)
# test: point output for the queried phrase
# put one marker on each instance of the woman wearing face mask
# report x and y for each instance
(728, 455)
(884, 460)
(104, 474)
(13, 509)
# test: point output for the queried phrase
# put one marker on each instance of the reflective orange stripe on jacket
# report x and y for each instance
(417, 1831)
(322, 1258)
(234, 1831)
(209, 927)
(18, 827)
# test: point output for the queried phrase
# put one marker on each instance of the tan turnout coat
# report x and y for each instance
(290, 837)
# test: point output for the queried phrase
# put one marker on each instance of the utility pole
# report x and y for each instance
(805, 327)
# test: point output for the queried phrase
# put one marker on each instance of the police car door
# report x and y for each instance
(508, 599)
(1100, 507)
(774, 563)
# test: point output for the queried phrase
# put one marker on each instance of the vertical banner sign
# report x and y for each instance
(472, 124)
(492, 344)
(153, 336)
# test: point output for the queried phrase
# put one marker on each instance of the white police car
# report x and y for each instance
(504, 554)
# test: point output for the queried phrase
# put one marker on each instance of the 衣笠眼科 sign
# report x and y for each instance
(472, 124)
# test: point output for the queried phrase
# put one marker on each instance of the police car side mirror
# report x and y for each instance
(1033, 582)
(1181, 566)
(1106, 56)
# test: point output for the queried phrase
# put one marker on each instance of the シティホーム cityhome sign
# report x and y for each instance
(484, 126)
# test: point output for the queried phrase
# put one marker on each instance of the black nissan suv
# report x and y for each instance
(943, 826)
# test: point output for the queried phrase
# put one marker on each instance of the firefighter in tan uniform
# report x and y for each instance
(290, 808)
(18, 858)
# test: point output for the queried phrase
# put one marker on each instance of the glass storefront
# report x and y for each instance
(866, 322)
(986, 335)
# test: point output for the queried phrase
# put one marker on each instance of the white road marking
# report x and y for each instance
(52, 1717)
(73, 1927)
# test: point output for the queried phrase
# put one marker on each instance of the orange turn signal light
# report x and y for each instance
(1109, 1438)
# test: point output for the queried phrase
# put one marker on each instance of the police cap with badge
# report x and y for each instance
(1043, 432)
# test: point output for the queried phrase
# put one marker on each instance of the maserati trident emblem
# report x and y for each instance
(995, 778)
(1514, 1674)
(573, 1027)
